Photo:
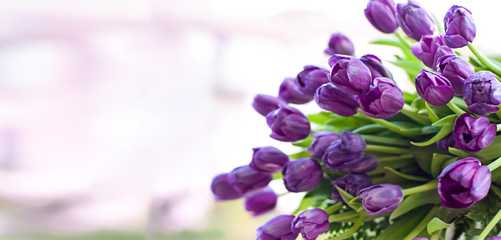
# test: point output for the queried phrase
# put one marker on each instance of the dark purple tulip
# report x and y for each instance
(277, 228)
(459, 27)
(264, 104)
(430, 49)
(351, 183)
(345, 153)
(473, 134)
(268, 159)
(463, 183)
(350, 74)
(381, 198)
(311, 223)
(456, 70)
(222, 189)
(322, 140)
(494, 238)
(311, 78)
(414, 20)
(301, 175)
(433, 88)
(288, 124)
(366, 164)
(383, 100)
(245, 179)
(339, 44)
(482, 93)
(330, 98)
(381, 14)
(376, 66)
(260, 201)
(289, 92)
(446, 142)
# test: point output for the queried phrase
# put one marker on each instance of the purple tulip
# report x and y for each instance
(350, 74)
(473, 134)
(289, 92)
(311, 223)
(311, 78)
(463, 183)
(381, 198)
(264, 104)
(456, 70)
(414, 20)
(351, 183)
(268, 159)
(339, 44)
(322, 140)
(460, 30)
(446, 142)
(494, 238)
(260, 201)
(482, 93)
(381, 14)
(277, 228)
(288, 124)
(245, 179)
(301, 175)
(434, 88)
(383, 100)
(222, 189)
(345, 153)
(376, 66)
(330, 98)
(429, 49)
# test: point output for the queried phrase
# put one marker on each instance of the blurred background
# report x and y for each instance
(116, 114)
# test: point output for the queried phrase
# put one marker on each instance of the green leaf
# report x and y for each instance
(394, 141)
(411, 67)
(319, 118)
(352, 122)
(349, 232)
(437, 161)
(304, 204)
(457, 152)
(415, 200)
(387, 42)
(401, 227)
(422, 225)
(373, 127)
(491, 152)
(436, 224)
(395, 164)
(433, 116)
(277, 175)
(301, 154)
(423, 157)
(410, 97)
(347, 199)
(444, 131)
(394, 176)
(304, 143)
(446, 121)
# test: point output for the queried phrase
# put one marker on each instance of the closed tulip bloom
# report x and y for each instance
(429, 49)
(288, 124)
(330, 98)
(456, 70)
(268, 159)
(264, 104)
(322, 140)
(446, 142)
(366, 164)
(311, 223)
(482, 93)
(289, 92)
(434, 88)
(222, 189)
(339, 44)
(383, 100)
(350, 74)
(494, 238)
(381, 198)
(376, 66)
(460, 30)
(245, 179)
(260, 201)
(277, 228)
(414, 20)
(311, 78)
(351, 183)
(381, 14)
(301, 175)
(345, 153)
(463, 183)
(473, 134)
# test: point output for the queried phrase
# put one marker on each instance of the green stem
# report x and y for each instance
(392, 158)
(444, 131)
(490, 226)
(455, 108)
(283, 194)
(348, 233)
(402, 40)
(498, 127)
(432, 115)
(343, 216)
(494, 164)
(486, 61)
(413, 114)
(422, 225)
(334, 208)
(436, 235)
(386, 149)
(425, 187)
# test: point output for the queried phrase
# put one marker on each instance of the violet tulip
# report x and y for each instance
(429, 49)
(245, 179)
(383, 100)
(264, 104)
(340, 44)
(482, 93)
(350, 74)
(460, 30)
(330, 98)
(222, 189)
(322, 140)
(456, 70)
(311, 78)
(289, 92)
(268, 159)
(277, 228)
(473, 134)
(288, 124)
(303, 174)
(345, 153)
(260, 201)
(414, 20)
(434, 88)
(446, 142)
(311, 223)
(376, 66)
(381, 14)
(351, 183)
(381, 198)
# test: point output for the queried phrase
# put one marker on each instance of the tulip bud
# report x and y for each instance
(345, 153)
(322, 140)
(222, 189)
(349, 74)
(473, 134)
(383, 100)
(311, 78)
(330, 98)
(414, 20)
(351, 183)
(264, 104)
(381, 198)
(381, 14)
(456, 70)
(430, 49)
(289, 92)
(277, 228)
(446, 142)
(288, 124)
(494, 238)
(301, 175)
(463, 183)
(459, 27)
(311, 223)
(268, 159)
(245, 179)
(376, 66)
(339, 44)
(482, 93)
(260, 201)
(433, 88)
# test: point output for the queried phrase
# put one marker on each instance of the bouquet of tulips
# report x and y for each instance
(378, 162)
